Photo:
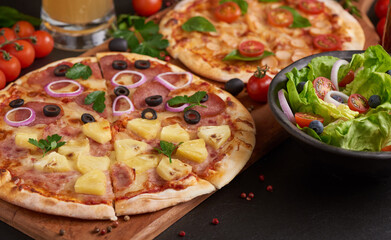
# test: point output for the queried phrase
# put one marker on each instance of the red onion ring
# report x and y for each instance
(159, 78)
(25, 122)
(119, 113)
(68, 94)
(285, 107)
(176, 109)
(137, 84)
(334, 72)
(329, 99)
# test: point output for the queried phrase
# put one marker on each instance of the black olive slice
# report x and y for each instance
(142, 64)
(149, 114)
(205, 98)
(154, 100)
(121, 90)
(51, 110)
(86, 118)
(61, 70)
(16, 103)
(192, 116)
(119, 64)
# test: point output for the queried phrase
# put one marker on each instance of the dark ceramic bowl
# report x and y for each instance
(341, 160)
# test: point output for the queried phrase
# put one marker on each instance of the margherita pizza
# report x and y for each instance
(221, 40)
(117, 134)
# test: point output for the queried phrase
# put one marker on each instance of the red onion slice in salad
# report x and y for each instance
(342, 96)
(334, 72)
(176, 109)
(159, 78)
(119, 113)
(24, 122)
(140, 82)
(65, 94)
(285, 107)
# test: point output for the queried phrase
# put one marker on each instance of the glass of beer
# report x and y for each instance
(77, 24)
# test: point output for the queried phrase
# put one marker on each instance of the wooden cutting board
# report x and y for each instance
(148, 226)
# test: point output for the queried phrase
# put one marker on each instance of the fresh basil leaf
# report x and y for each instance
(298, 20)
(178, 100)
(9, 16)
(235, 55)
(199, 24)
(79, 70)
(98, 98)
(241, 3)
(197, 97)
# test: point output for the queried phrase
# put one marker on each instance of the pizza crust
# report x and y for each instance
(151, 202)
(10, 192)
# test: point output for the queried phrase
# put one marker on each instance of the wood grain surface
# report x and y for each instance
(148, 226)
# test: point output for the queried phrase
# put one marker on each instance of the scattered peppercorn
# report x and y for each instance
(269, 188)
(262, 177)
(182, 233)
(109, 228)
(62, 232)
(215, 221)
(251, 195)
(115, 224)
(126, 218)
(96, 230)
(248, 198)
(103, 232)
(243, 195)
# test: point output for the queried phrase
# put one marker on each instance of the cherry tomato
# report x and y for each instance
(228, 12)
(280, 17)
(23, 29)
(3, 81)
(380, 27)
(6, 33)
(322, 86)
(327, 42)
(304, 119)
(251, 48)
(347, 79)
(258, 85)
(358, 103)
(386, 149)
(311, 6)
(146, 7)
(44, 44)
(381, 7)
(10, 66)
(23, 50)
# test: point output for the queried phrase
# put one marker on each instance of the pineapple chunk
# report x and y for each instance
(98, 131)
(142, 162)
(194, 150)
(145, 128)
(174, 170)
(86, 163)
(22, 138)
(53, 162)
(127, 148)
(214, 135)
(93, 182)
(174, 133)
(74, 148)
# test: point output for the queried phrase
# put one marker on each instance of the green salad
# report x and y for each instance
(343, 104)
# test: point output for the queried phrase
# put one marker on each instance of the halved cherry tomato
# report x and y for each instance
(228, 12)
(327, 42)
(146, 7)
(322, 86)
(347, 79)
(258, 85)
(359, 103)
(10, 66)
(23, 50)
(251, 48)
(23, 29)
(44, 44)
(3, 81)
(311, 6)
(280, 17)
(386, 149)
(304, 119)
(6, 34)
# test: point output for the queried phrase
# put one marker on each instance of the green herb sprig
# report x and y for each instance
(98, 99)
(9, 16)
(79, 70)
(193, 100)
(235, 55)
(199, 24)
(350, 7)
(51, 143)
(167, 148)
